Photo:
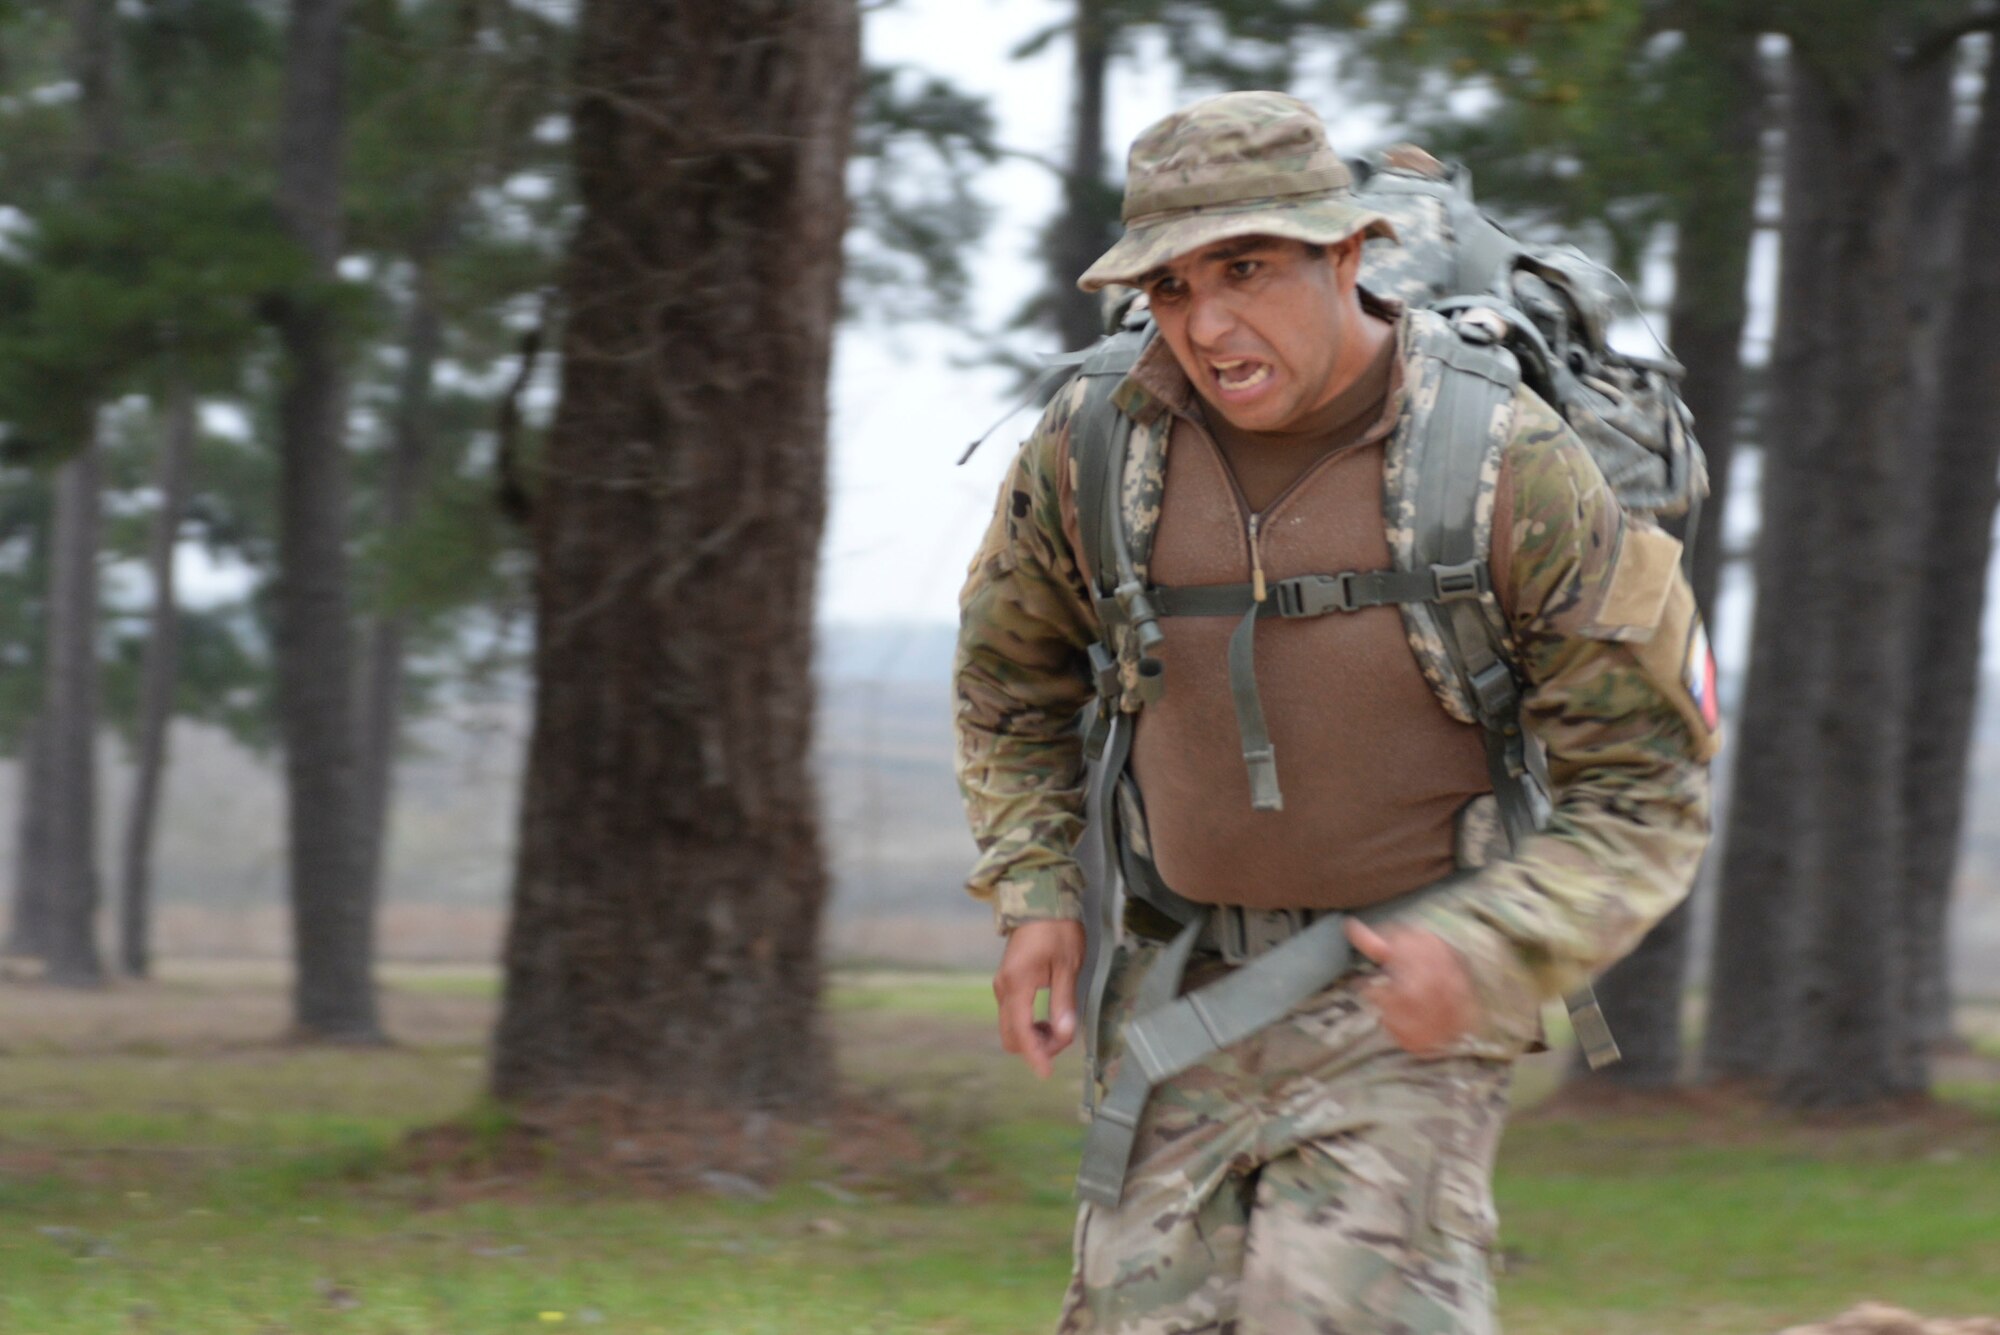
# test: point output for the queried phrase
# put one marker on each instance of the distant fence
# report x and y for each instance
(462, 934)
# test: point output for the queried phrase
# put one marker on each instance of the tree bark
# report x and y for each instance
(159, 670)
(1086, 227)
(1954, 543)
(382, 685)
(669, 887)
(1641, 994)
(28, 916)
(1772, 855)
(1850, 1045)
(69, 717)
(332, 916)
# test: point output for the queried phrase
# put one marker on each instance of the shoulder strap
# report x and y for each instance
(1455, 460)
(1452, 462)
(1099, 434)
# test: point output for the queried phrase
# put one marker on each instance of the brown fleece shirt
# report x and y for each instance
(1374, 771)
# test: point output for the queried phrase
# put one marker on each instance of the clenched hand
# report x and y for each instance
(1423, 993)
(1040, 956)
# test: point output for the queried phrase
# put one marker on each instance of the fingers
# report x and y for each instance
(1040, 956)
(1016, 995)
(1423, 995)
(1369, 941)
(1062, 1005)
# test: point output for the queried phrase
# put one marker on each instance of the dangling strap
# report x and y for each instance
(1103, 882)
(1259, 757)
(1114, 1124)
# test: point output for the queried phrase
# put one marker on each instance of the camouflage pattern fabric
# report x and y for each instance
(1227, 166)
(1313, 1178)
(1624, 744)
(1418, 267)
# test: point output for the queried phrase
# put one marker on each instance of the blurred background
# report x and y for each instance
(302, 328)
(960, 181)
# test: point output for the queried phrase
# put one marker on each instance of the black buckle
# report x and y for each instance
(1315, 595)
(1455, 584)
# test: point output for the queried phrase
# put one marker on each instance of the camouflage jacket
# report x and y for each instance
(1602, 629)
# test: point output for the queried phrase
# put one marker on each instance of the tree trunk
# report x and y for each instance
(1641, 994)
(1954, 545)
(68, 719)
(1771, 854)
(332, 917)
(28, 915)
(1086, 227)
(382, 685)
(1850, 1045)
(58, 890)
(668, 893)
(159, 670)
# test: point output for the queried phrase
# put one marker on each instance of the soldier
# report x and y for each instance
(1331, 1172)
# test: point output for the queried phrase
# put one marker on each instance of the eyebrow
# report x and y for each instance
(1224, 252)
(1234, 250)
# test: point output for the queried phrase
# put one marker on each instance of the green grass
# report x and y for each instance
(262, 1192)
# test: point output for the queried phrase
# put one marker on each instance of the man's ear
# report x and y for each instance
(1346, 259)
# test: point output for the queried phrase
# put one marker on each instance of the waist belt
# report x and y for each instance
(1237, 934)
(1171, 1031)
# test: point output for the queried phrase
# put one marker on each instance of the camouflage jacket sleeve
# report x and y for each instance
(1605, 630)
(1021, 676)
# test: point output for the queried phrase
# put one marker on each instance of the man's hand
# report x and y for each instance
(1423, 993)
(1041, 955)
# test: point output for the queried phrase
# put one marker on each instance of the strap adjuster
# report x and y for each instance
(1495, 694)
(1315, 595)
(1103, 672)
(1454, 584)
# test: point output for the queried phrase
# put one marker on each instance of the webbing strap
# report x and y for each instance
(1260, 759)
(1114, 1123)
(1171, 1033)
(1319, 595)
(1461, 421)
(1101, 881)
(1098, 437)
(1463, 412)
(1182, 1033)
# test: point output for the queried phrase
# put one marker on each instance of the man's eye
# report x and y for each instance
(1167, 289)
(1242, 268)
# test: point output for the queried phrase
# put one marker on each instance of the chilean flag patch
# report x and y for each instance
(1699, 676)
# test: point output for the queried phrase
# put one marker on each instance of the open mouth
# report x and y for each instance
(1235, 377)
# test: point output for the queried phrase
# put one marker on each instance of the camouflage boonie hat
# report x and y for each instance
(1242, 164)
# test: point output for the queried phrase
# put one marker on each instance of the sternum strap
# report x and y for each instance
(1291, 599)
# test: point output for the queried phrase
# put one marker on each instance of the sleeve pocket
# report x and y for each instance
(1642, 584)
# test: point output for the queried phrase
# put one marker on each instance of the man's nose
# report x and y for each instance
(1210, 320)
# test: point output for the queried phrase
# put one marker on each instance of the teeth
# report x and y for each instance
(1224, 370)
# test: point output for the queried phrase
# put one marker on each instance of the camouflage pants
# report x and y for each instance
(1314, 1179)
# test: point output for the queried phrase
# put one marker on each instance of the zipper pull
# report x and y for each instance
(1257, 590)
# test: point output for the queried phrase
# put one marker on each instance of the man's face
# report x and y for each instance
(1258, 324)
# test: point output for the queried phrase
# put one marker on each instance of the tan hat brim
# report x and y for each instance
(1323, 220)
